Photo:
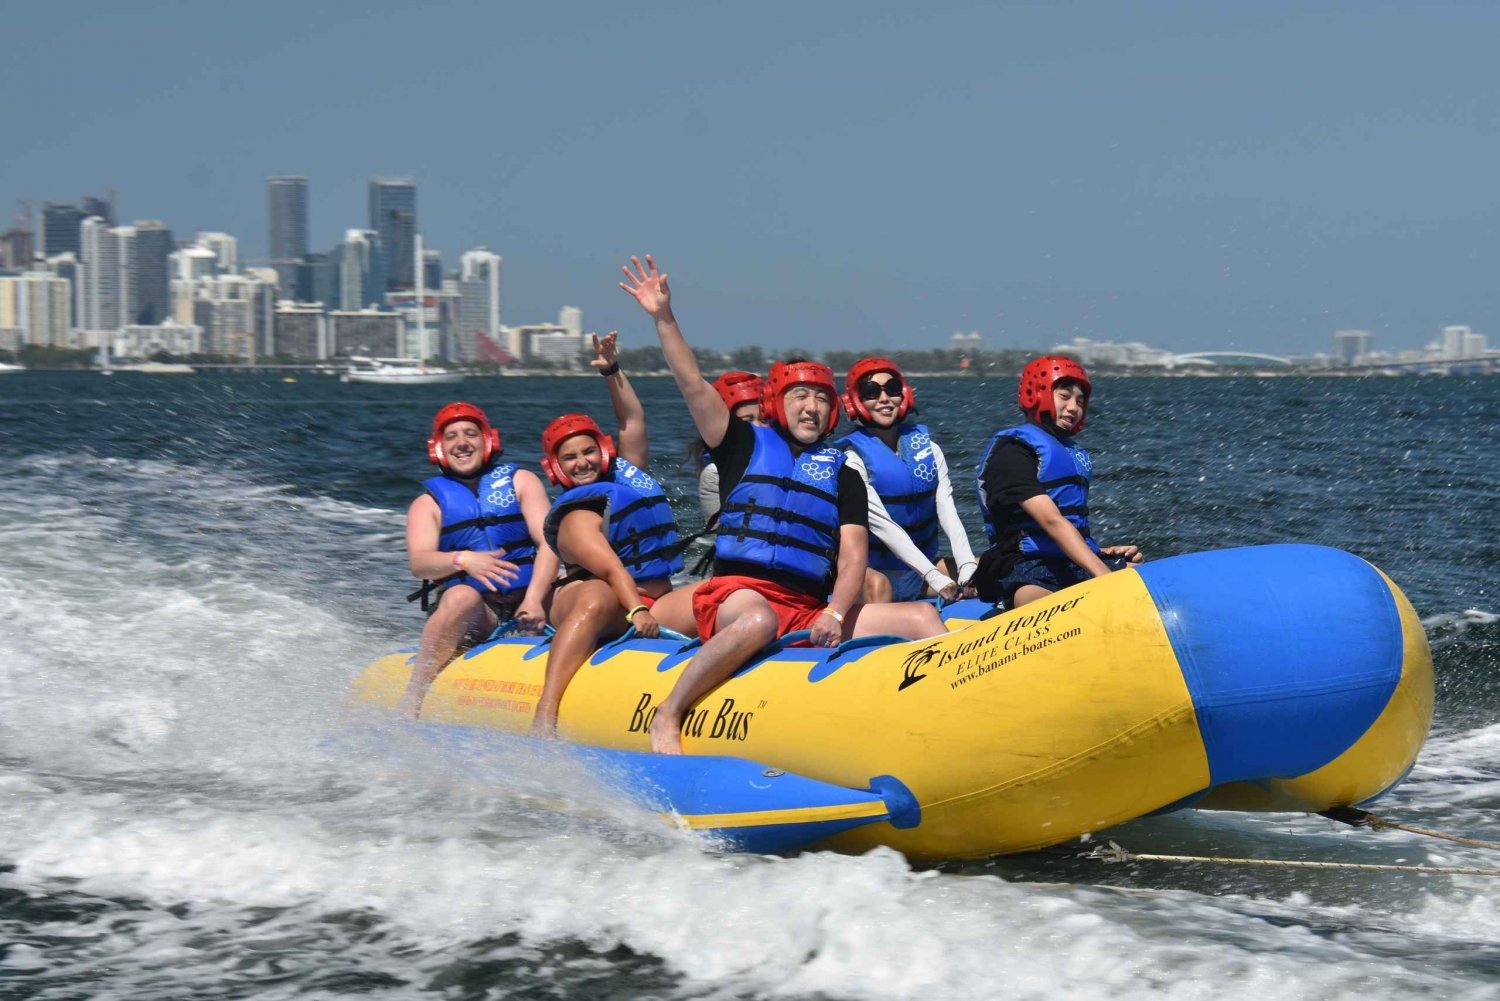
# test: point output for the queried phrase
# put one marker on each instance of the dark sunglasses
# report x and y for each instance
(870, 390)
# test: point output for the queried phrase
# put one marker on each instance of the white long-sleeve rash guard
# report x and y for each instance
(899, 543)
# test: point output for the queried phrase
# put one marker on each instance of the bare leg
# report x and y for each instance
(1028, 593)
(877, 586)
(584, 613)
(460, 611)
(675, 610)
(916, 620)
(746, 624)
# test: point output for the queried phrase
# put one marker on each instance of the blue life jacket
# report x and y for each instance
(637, 519)
(490, 520)
(906, 481)
(783, 514)
(1063, 470)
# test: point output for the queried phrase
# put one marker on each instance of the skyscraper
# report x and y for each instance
(361, 271)
(393, 214)
(479, 302)
(288, 215)
(151, 272)
(226, 251)
(60, 228)
(104, 208)
(17, 246)
(106, 274)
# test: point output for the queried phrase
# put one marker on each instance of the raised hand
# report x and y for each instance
(605, 350)
(648, 286)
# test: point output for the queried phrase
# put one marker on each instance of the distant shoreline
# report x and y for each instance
(323, 370)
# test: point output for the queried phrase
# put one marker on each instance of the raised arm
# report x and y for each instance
(648, 286)
(632, 439)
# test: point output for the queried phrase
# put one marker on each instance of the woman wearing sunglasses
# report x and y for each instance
(911, 496)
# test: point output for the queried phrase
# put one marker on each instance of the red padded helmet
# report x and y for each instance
(856, 408)
(1039, 377)
(560, 431)
(786, 374)
(461, 412)
(735, 388)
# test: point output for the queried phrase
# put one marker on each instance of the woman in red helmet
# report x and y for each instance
(911, 495)
(741, 392)
(613, 529)
(1033, 485)
(792, 537)
(474, 536)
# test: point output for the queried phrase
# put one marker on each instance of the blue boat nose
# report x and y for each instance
(1290, 652)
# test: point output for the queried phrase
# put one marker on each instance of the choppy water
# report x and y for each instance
(192, 569)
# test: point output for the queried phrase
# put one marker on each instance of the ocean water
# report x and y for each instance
(193, 569)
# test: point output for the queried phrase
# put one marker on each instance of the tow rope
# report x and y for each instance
(1113, 852)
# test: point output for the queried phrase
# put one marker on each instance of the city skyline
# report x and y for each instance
(1182, 176)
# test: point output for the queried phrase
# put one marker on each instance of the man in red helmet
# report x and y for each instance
(792, 537)
(475, 536)
(1033, 485)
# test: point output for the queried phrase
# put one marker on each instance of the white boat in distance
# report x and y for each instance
(6, 366)
(397, 371)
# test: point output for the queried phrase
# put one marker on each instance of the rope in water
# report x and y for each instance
(1360, 818)
(1114, 853)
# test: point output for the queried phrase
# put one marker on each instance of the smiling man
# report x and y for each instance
(474, 536)
(792, 536)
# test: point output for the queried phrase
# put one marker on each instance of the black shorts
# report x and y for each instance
(1051, 572)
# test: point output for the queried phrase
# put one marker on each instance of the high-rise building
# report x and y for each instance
(226, 251)
(104, 208)
(432, 269)
(1349, 346)
(108, 264)
(361, 270)
(38, 304)
(68, 268)
(288, 215)
(151, 272)
(60, 228)
(17, 247)
(479, 301)
(1453, 341)
(317, 280)
(393, 214)
(570, 318)
(366, 332)
(301, 331)
(193, 262)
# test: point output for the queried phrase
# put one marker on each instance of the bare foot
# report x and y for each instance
(544, 723)
(410, 705)
(666, 734)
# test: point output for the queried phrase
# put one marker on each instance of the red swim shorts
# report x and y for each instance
(793, 609)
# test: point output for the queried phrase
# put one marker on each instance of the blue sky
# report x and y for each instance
(1246, 175)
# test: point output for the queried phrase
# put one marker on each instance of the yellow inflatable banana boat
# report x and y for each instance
(1284, 677)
